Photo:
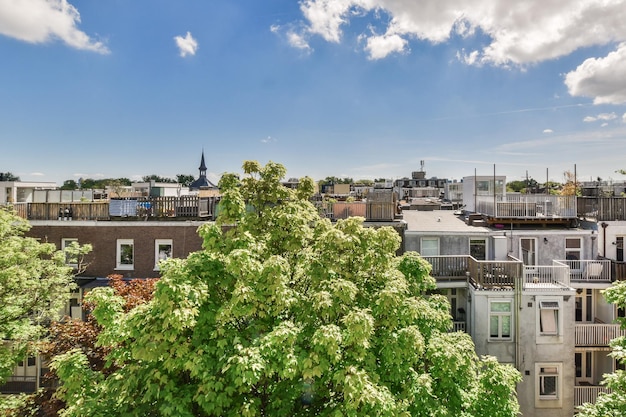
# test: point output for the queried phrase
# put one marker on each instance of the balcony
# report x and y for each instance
(458, 326)
(596, 334)
(542, 277)
(527, 206)
(482, 274)
(589, 271)
(449, 267)
(587, 394)
(19, 384)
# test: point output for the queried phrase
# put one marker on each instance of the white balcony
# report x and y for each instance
(587, 394)
(589, 271)
(596, 334)
(538, 277)
(527, 206)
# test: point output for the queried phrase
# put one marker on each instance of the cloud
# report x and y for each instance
(601, 78)
(298, 41)
(601, 116)
(624, 118)
(548, 131)
(269, 139)
(41, 21)
(187, 45)
(37, 174)
(518, 34)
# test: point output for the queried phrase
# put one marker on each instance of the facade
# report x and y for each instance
(528, 291)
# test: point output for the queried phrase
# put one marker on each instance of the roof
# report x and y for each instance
(440, 221)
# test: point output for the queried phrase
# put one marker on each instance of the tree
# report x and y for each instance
(612, 404)
(69, 185)
(157, 178)
(8, 176)
(284, 313)
(35, 284)
(68, 334)
(570, 185)
(184, 179)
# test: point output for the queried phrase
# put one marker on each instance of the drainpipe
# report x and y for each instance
(604, 226)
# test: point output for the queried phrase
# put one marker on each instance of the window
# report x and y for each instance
(548, 382)
(478, 249)
(163, 250)
(583, 365)
(430, 246)
(528, 250)
(125, 254)
(69, 259)
(619, 248)
(573, 250)
(500, 313)
(549, 318)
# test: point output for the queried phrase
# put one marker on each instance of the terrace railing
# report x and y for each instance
(589, 271)
(597, 334)
(588, 394)
(527, 206)
(538, 277)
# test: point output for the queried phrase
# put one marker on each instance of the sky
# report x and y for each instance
(346, 88)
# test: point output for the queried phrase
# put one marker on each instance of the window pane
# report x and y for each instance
(548, 385)
(572, 243)
(501, 307)
(493, 326)
(430, 247)
(126, 254)
(506, 326)
(548, 321)
(165, 251)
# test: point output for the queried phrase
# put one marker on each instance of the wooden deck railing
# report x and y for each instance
(484, 274)
(596, 334)
(19, 384)
(588, 394)
(455, 267)
(602, 208)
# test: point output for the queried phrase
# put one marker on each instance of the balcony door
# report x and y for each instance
(528, 250)
(584, 305)
(584, 367)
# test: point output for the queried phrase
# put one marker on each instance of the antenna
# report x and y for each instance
(422, 165)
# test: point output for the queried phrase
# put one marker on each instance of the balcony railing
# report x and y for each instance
(458, 326)
(596, 334)
(538, 277)
(483, 274)
(527, 206)
(589, 271)
(452, 267)
(587, 394)
(19, 384)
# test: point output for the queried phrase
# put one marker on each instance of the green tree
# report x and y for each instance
(34, 285)
(69, 185)
(612, 404)
(8, 176)
(184, 179)
(284, 313)
(157, 178)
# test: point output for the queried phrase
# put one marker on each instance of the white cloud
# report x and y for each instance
(624, 118)
(40, 21)
(269, 139)
(298, 41)
(548, 131)
(187, 45)
(601, 78)
(601, 116)
(519, 33)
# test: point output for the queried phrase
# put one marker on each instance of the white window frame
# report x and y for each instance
(158, 256)
(119, 263)
(429, 239)
(65, 242)
(500, 316)
(549, 320)
(575, 264)
(543, 372)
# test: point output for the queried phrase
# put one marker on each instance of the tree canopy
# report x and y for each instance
(8, 176)
(35, 284)
(612, 404)
(284, 313)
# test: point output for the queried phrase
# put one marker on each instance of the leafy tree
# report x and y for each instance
(69, 185)
(612, 404)
(91, 184)
(8, 176)
(570, 185)
(34, 285)
(69, 334)
(184, 179)
(284, 313)
(157, 178)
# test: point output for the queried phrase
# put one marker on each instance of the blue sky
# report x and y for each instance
(357, 88)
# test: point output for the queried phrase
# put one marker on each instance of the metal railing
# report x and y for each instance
(546, 276)
(19, 384)
(590, 271)
(525, 206)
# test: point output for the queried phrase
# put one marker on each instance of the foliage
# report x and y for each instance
(184, 179)
(91, 184)
(157, 178)
(34, 285)
(285, 314)
(69, 185)
(8, 176)
(570, 184)
(335, 180)
(612, 404)
(70, 335)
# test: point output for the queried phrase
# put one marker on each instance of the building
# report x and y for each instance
(524, 279)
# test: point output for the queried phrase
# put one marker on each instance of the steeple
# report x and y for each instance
(202, 181)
